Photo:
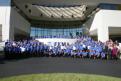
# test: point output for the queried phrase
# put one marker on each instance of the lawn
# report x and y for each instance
(60, 77)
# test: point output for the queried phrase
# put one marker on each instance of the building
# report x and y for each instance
(21, 19)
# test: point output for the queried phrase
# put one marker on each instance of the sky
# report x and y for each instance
(2, 1)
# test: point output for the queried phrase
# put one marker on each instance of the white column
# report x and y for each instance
(103, 34)
(5, 9)
(102, 28)
(99, 26)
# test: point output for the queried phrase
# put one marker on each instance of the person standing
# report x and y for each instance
(119, 51)
(114, 51)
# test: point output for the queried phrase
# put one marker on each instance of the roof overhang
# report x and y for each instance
(36, 19)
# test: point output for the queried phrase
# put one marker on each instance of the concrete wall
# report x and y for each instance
(5, 9)
(12, 22)
(19, 25)
(88, 23)
(103, 20)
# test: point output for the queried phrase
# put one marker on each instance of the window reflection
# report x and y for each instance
(44, 32)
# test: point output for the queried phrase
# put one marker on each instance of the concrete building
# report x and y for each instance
(101, 17)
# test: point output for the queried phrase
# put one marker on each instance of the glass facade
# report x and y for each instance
(110, 6)
(41, 32)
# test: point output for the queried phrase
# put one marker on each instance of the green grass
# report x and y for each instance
(60, 77)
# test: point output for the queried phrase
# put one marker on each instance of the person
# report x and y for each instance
(110, 51)
(114, 51)
(84, 47)
(103, 55)
(80, 51)
(22, 50)
(91, 52)
(74, 50)
(6, 49)
(106, 51)
(119, 51)
(116, 42)
(85, 54)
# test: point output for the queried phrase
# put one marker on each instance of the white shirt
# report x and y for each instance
(22, 49)
(74, 48)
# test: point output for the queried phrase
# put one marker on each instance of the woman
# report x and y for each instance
(114, 51)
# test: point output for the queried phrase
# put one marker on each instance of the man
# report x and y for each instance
(22, 49)
(119, 51)
(7, 49)
(84, 54)
(74, 51)
(107, 51)
(50, 51)
(103, 55)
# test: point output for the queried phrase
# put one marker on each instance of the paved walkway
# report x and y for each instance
(60, 65)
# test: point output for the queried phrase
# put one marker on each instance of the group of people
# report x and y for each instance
(85, 47)
(50, 36)
(112, 49)
(58, 36)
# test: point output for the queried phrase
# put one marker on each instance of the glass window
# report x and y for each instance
(45, 32)
(108, 6)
